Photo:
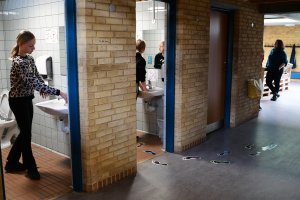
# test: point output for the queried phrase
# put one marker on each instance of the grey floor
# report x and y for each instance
(272, 171)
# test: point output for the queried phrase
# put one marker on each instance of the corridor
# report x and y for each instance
(263, 156)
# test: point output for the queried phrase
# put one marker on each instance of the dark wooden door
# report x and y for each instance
(217, 67)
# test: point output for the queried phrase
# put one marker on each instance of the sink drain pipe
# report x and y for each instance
(62, 126)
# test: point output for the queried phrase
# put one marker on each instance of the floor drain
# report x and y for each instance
(191, 158)
(220, 162)
(150, 152)
(155, 162)
(224, 153)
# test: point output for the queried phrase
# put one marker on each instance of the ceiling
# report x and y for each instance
(282, 19)
(272, 1)
(277, 6)
(279, 12)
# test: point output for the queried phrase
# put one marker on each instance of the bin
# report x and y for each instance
(253, 89)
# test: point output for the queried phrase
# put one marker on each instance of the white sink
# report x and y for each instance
(56, 107)
(154, 92)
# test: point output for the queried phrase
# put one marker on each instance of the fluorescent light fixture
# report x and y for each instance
(157, 9)
(290, 24)
(280, 21)
(8, 13)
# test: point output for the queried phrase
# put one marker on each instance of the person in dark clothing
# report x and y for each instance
(24, 79)
(140, 67)
(277, 60)
(159, 58)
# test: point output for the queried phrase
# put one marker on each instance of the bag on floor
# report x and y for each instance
(254, 88)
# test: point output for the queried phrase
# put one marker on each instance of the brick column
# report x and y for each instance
(106, 57)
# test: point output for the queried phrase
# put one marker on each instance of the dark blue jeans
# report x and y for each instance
(274, 75)
(23, 110)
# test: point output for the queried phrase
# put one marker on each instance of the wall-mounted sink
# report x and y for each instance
(154, 92)
(56, 107)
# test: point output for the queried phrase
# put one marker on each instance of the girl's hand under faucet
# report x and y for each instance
(143, 86)
(64, 96)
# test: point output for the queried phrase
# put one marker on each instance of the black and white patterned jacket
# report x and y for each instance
(25, 78)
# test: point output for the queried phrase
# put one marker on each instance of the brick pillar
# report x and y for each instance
(106, 57)
(192, 50)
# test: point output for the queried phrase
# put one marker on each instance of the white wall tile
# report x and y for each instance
(32, 15)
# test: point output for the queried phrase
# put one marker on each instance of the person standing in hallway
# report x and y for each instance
(24, 79)
(140, 67)
(277, 60)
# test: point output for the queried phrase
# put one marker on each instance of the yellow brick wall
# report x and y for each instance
(289, 36)
(247, 49)
(192, 47)
(106, 55)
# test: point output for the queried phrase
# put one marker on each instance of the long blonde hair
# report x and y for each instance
(23, 37)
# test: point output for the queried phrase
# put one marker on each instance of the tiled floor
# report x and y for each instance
(148, 147)
(55, 171)
(55, 179)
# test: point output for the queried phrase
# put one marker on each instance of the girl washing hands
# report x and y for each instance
(24, 79)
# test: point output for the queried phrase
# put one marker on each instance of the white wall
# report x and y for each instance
(41, 17)
(153, 34)
(4, 74)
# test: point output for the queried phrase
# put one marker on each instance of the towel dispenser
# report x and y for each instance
(45, 67)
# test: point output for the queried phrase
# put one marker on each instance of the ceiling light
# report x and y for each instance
(280, 21)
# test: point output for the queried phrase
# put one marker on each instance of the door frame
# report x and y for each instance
(229, 61)
(170, 76)
(73, 93)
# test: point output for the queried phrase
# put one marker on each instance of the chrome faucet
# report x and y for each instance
(149, 84)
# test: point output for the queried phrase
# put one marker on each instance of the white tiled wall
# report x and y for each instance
(153, 39)
(153, 34)
(3, 69)
(146, 119)
(40, 17)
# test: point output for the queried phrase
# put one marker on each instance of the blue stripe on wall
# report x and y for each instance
(170, 81)
(73, 93)
(229, 69)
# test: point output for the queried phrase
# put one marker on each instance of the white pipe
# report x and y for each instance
(153, 19)
(63, 127)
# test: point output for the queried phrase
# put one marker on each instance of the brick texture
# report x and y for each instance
(192, 47)
(192, 50)
(106, 54)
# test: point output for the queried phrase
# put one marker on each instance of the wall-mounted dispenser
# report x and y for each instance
(44, 67)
